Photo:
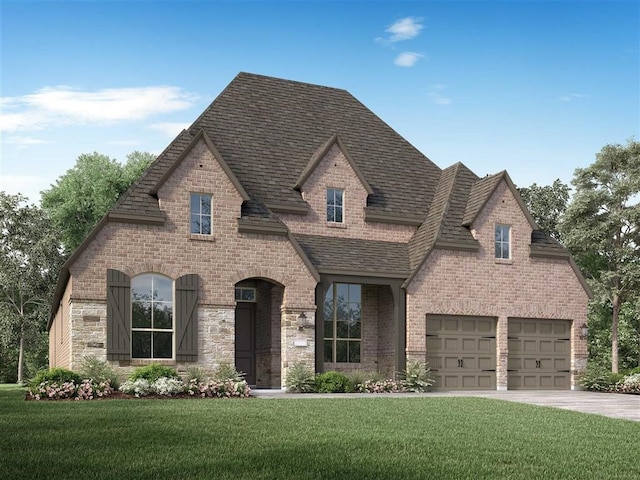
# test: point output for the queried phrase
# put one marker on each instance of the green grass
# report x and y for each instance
(342, 438)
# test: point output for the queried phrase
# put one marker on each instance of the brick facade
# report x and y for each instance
(475, 283)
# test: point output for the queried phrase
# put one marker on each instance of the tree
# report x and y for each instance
(85, 193)
(547, 204)
(30, 260)
(601, 227)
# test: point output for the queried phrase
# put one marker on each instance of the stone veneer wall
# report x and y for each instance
(475, 283)
(220, 260)
(334, 171)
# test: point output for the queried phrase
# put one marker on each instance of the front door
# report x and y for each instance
(245, 341)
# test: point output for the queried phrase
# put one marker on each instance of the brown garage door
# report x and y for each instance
(462, 352)
(539, 354)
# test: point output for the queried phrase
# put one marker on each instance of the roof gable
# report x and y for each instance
(320, 154)
(482, 191)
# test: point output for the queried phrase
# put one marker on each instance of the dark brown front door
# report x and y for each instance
(245, 341)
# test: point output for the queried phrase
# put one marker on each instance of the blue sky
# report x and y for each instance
(534, 87)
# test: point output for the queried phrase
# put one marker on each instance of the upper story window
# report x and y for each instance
(343, 323)
(503, 241)
(201, 213)
(151, 316)
(335, 208)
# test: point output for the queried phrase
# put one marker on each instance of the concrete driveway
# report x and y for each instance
(613, 405)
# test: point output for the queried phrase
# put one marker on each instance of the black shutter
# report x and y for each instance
(186, 311)
(118, 315)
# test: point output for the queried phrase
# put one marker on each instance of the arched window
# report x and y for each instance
(152, 326)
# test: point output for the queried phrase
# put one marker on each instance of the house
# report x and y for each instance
(290, 224)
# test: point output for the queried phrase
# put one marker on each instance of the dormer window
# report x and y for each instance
(503, 242)
(201, 214)
(335, 202)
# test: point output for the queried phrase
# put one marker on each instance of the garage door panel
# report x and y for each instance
(459, 357)
(539, 354)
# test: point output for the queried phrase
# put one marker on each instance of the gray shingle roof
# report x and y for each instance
(355, 256)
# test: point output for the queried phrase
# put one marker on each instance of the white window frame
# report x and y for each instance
(199, 214)
(500, 243)
(331, 203)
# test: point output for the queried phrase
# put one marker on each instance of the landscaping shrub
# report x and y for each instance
(196, 373)
(141, 387)
(630, 384)
(84, 390)
(226, 371)
(380, 386)
(100, 371)
(417, 377)
(599, 379)
(153, 372)
(219, 389)
(333, 382)
(300, 379)
(58, 376)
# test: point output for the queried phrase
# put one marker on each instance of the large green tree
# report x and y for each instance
(85, 193)
(547, 204)
(30, 260)
(601, 227)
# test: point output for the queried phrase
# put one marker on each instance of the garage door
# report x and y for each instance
(462, 352)
(539, 354)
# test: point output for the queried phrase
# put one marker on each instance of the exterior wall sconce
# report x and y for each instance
(584, 330)
(302, 321)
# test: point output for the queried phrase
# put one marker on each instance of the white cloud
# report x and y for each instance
(439, 99)
(572, 96)
(404, 29)
(169, 129)
(64, 105)
(27, 185)
(407, 59)
(23, 142)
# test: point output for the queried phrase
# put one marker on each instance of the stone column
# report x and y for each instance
(502, 353)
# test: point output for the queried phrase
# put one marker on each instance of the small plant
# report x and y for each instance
(417, 377)
(300, 379)
(196, 373)
(153, 372)
(85, 390)
(99, 371)
(333, 382)
(226, 371)
(90, 389)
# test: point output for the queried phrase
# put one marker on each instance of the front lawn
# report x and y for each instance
(341, 438)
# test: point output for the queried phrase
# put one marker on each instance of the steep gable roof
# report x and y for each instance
(443, 225)
(320, 153)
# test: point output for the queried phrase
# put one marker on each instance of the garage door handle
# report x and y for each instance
(489, 370)
(512, 338)
(564, 371)
(510, 370)
(488, 337)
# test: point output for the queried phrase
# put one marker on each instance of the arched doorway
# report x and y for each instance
(257, 331)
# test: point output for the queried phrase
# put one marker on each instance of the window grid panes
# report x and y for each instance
(245, 294)
(502, 242)
(200, 214)
(343, 323)
(151, 316)
(335, 207)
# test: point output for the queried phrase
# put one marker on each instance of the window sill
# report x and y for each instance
(504, 261)
(148, 361)
(201, 238)
(336, 225)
